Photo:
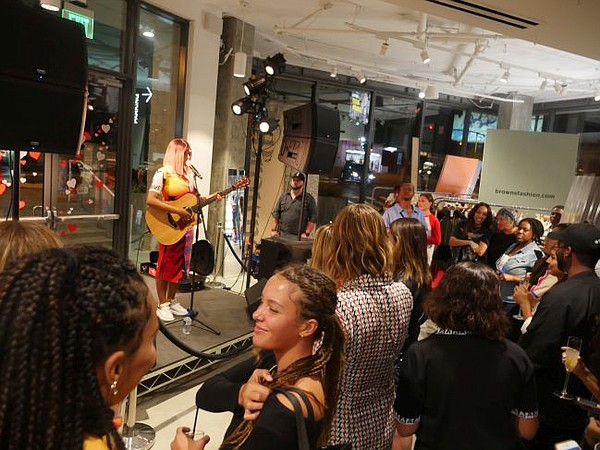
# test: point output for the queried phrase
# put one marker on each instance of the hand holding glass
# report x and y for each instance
(572, 355)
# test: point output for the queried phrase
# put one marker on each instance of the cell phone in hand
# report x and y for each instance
(567, 445)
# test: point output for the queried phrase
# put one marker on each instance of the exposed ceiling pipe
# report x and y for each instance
(479, 48)
(325, 7)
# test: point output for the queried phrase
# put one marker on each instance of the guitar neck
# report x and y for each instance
(209, 200)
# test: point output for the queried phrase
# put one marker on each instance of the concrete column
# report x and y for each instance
(229, 145)
(515, 116)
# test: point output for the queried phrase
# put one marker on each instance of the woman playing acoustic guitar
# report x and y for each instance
(170, 182)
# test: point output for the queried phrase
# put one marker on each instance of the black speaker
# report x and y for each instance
(253, 295)
(310, 139)
(43, 81)
(276, 252)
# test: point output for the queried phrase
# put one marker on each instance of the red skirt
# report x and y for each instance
(171, 261)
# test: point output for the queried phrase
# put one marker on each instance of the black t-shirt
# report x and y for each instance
(465, 391)
(464, 253)
(499, 242)
(568, 309)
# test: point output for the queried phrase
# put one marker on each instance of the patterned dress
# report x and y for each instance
(375, 312)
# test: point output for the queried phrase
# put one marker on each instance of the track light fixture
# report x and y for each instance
(362, 79)
(421, 93)
(505, 76)
(425, 56)
(268, 125)
(274, 64)
(544, 84)
(431, 92)
(243, 106)
(597, 96)
(51, 5)
(333, 72)
(384, 48)
(255, 86)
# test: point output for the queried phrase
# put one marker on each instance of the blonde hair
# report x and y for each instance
(175, 155)
(18, 239)
(321, 248)
(360, 244)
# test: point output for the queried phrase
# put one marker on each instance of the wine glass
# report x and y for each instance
(572, 355)
(524, 284)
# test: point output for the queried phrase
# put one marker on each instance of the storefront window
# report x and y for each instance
(104, 46)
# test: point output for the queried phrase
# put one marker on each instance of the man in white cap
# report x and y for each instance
(286, 216)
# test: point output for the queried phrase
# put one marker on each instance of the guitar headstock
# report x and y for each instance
(241, 183)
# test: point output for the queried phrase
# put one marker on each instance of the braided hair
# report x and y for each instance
(317, 301)
(62, 312)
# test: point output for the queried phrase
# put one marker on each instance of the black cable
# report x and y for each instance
(232, 249)
(186, 348)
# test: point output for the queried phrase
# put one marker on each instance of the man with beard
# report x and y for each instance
(286, 216)
(403, 208)
(568, 309)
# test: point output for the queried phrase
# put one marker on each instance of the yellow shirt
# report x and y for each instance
(95, 443)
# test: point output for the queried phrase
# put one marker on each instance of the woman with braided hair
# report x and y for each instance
(296, 321)
(77, 330)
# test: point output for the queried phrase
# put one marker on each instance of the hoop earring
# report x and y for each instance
(113, 388)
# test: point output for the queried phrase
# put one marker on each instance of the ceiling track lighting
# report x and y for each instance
(384, 48)
(544, 84)
(274, 64)
(421, 93)
(505, 77)
(597, 95)
(425, 56)
(362, 79)
(51, 5)
(333, 72)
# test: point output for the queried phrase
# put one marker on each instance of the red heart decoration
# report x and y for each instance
(63, 164)
(21, 204)
(62, 233)
(23, 162)
(35, 155)
(71, 227)
(87, 136)
(99, 184)
(2, 189)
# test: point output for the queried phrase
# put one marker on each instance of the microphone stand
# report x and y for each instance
(199, 219)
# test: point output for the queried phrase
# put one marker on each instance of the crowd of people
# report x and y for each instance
(375, 356)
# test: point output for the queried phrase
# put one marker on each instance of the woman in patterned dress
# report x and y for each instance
(375, 311)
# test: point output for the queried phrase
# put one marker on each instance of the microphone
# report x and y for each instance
(193, 169)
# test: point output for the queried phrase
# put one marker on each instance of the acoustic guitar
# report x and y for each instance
(168, 227)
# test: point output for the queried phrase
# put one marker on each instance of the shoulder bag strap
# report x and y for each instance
(300, 424)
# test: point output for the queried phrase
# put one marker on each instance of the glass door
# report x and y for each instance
(75, 194)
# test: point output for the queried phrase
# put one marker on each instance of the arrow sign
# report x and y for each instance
(147, 94)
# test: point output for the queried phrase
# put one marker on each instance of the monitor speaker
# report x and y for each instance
(43, 81)
(310, 139)
(253, 295)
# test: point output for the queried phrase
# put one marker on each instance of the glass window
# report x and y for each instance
(104, 49)
(157, 103)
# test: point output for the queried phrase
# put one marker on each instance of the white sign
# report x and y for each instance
(522, 168)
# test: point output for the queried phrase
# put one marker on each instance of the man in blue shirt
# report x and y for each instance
(403, 208)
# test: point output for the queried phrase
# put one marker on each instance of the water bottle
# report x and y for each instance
(187, 324)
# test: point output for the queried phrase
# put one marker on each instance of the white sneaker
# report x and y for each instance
(177, 309)
(164, 312)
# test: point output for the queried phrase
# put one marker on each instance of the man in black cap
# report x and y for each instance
(286, 216)
(570, 308)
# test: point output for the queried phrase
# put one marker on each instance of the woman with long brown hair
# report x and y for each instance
(466, 386)
(296, 321)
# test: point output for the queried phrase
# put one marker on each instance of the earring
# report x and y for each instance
(113, 388)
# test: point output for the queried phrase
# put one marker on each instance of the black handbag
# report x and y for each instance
(303, 443)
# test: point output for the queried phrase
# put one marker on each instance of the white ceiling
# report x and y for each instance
(469, 54)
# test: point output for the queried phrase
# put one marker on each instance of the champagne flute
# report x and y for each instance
(572, 355)
(524, 283)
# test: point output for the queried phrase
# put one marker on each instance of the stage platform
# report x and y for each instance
(218, 308)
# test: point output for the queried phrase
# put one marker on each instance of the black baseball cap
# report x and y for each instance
(299, 175)
(581, 237)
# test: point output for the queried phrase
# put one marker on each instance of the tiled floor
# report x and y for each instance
(174, 406)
